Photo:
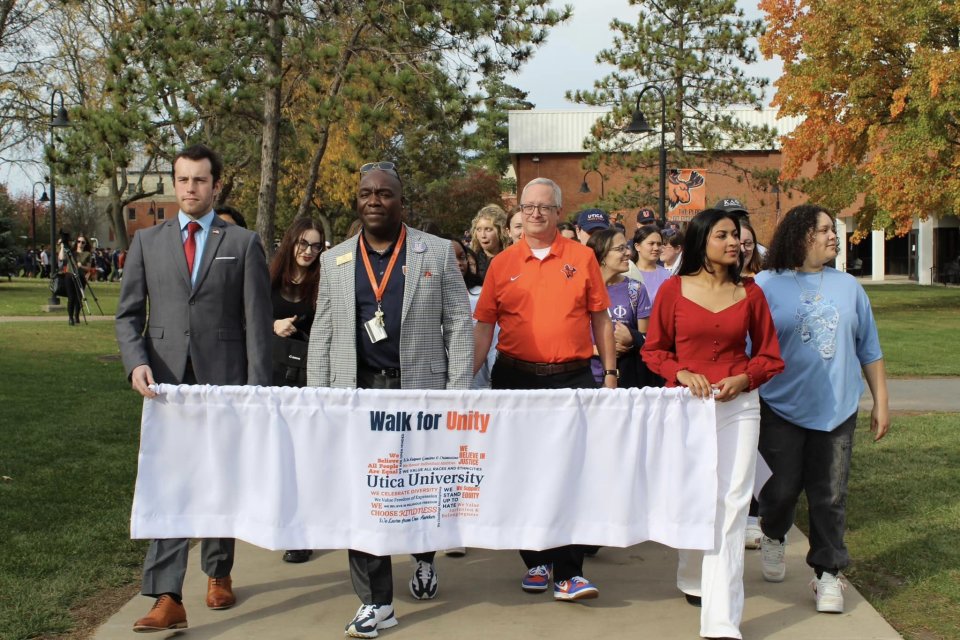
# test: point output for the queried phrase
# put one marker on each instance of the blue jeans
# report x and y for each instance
(817, 463)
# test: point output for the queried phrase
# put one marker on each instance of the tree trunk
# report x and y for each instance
(270, 146)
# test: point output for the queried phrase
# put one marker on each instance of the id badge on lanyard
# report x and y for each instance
(375, 326)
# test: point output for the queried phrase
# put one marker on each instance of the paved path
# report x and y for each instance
(480, 598)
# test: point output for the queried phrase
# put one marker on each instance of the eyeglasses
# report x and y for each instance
(528, 209)
(747, 244)
(303, 246)
(621, 248)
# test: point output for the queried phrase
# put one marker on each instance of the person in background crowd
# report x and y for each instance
(83, 258)
(629, 309)
(45, 262)
(671, 251)
(361, 338)
(567, 230)
(590, 221)
(751, 267)
(752, 262)
(646, 216)
(545, 341)
(489, 233)
(207, 325)
(737, 208)
(808, 414)
(697, 339)
(515, 229)
(647, 240)
(229, 214)
(294, 278)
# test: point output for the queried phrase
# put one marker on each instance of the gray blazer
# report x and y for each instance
(436, 335)
(224, 323)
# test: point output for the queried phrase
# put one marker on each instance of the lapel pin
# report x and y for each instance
(427, 274)
(419, 246)
(215, 232)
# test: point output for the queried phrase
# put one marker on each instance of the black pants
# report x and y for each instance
(372, 576)
(74, 297)
(567, 560)
(818, 464)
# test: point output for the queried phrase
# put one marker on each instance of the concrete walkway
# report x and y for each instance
(480, 598)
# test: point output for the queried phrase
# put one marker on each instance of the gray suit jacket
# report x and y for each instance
(436, 336)
(224, 323)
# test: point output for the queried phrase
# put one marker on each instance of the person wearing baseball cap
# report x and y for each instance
(646, 216)
(590, 221)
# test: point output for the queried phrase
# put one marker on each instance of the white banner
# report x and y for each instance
(403, 471)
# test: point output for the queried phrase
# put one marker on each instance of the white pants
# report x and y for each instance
(717, 576)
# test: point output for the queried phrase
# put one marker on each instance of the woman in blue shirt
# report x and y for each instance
(808, 413)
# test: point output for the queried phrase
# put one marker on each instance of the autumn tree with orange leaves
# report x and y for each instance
(878, 84)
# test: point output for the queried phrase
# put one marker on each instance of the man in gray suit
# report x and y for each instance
(392, 313)
(208, 291)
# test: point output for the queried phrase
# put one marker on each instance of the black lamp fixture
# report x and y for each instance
(639, 124)
(152, 211)
(585, 188)
(57, 119)
(33, 212)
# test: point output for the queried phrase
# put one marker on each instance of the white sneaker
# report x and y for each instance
(456, 552)
(771, 558)
(369, 618)
(423, 584)
(752, 534)
(828, 591)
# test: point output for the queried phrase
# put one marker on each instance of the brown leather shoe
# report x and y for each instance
(220, 593)
(166, 614)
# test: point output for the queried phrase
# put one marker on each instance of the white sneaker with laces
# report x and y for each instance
(772, 559)
(828, 591)
(369, 618)
(752, 533)
(424, 584)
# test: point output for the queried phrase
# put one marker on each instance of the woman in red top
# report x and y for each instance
(697, 339)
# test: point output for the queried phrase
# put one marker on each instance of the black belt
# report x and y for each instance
(542, 368)
(386, 373)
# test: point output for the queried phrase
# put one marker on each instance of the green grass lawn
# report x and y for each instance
(69, 432)
(27, 296)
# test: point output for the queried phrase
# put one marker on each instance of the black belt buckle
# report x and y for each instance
(389, 373)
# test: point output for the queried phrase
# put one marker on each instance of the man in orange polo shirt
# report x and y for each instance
(547, 295)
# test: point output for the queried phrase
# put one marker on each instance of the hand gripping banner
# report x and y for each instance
(403, 471)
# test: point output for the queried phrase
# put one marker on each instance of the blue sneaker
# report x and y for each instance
(576, 588)
(369, 618)
(537, 579)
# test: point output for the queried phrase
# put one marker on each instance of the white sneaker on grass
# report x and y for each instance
(772, 561)
(828, 592)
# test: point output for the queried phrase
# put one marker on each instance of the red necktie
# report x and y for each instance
(190, 246)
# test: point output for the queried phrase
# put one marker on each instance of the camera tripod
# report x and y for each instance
(81, 283)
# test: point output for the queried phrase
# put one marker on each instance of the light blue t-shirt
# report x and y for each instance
(827, 334)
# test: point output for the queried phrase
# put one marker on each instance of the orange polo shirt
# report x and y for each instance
(543, 306)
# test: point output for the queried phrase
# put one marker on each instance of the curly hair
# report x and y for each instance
(791, 240)
(755, 265)
(695, 243)
(498, 218)
(283, 267)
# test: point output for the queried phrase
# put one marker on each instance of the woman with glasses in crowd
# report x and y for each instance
(828, 338)
(648, 241)
(294, 278)
(489, 236)
(75, 280)
(697, 339)
(629, 309)
(672, 250)
(752, 260)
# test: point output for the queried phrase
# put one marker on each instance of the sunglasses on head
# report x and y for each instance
(381, 166)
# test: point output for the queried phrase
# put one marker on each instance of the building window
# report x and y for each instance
(131, 213)
(160, 213)
(160, 187)
(131, 188)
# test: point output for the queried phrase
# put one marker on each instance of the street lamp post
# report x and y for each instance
(585, 188)
(33, 212)
(639, 124)
(152, 212)
(59, 119)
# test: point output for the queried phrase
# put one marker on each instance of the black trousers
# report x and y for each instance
(372, 576)
(74, 298)
(567, 560)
